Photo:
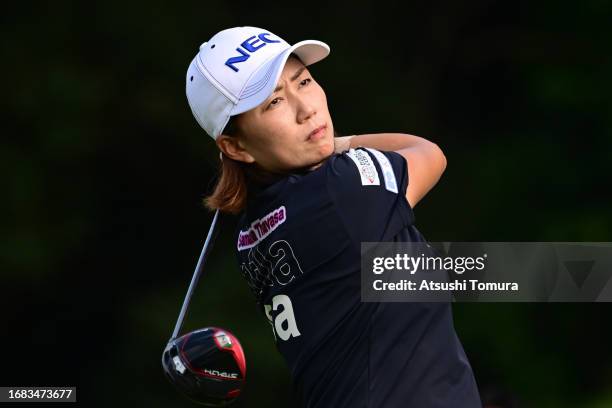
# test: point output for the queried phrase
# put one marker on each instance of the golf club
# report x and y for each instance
(206, 365)
(212, 234)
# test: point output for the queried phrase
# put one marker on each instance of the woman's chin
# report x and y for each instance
(324, 154)
(326, 149)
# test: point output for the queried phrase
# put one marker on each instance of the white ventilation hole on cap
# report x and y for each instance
(212, 46)
(191, 79)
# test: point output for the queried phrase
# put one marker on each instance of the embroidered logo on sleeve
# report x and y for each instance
(365, 166)
(261, 228)
(387, 169)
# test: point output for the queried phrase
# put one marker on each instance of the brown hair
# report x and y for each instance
(230, 192)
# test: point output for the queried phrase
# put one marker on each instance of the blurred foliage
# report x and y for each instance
(103, 169)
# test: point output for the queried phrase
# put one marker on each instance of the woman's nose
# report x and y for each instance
(305, 111)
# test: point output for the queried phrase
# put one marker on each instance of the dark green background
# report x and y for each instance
(103, 169)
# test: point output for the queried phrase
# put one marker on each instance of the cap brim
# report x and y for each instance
(262, 83)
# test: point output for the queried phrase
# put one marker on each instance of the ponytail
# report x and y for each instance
(230, 193)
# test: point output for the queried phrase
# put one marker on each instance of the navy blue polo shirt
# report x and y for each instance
(299, 247)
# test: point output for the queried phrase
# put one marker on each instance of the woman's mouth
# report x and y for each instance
(318, 133)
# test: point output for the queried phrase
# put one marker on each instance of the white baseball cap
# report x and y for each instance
(237, 69)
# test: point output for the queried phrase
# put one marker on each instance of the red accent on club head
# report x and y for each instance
(233, 393)
(235, 349)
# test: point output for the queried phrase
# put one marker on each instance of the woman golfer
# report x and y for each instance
(306, 202)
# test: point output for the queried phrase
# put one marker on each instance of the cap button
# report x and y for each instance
(203, 44)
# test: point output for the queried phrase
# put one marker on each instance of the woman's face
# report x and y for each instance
(292, 128)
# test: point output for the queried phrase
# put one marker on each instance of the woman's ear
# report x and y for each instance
(233, 148)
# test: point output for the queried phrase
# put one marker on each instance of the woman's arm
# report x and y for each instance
(426, 162)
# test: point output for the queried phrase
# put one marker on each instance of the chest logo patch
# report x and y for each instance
(261, 228)
(365, 166)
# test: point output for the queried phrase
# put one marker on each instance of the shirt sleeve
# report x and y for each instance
(368, 189)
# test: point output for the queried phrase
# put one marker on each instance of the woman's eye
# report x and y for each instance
(274, 102)
(305, 82)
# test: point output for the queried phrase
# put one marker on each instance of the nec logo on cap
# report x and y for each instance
(249, 46)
